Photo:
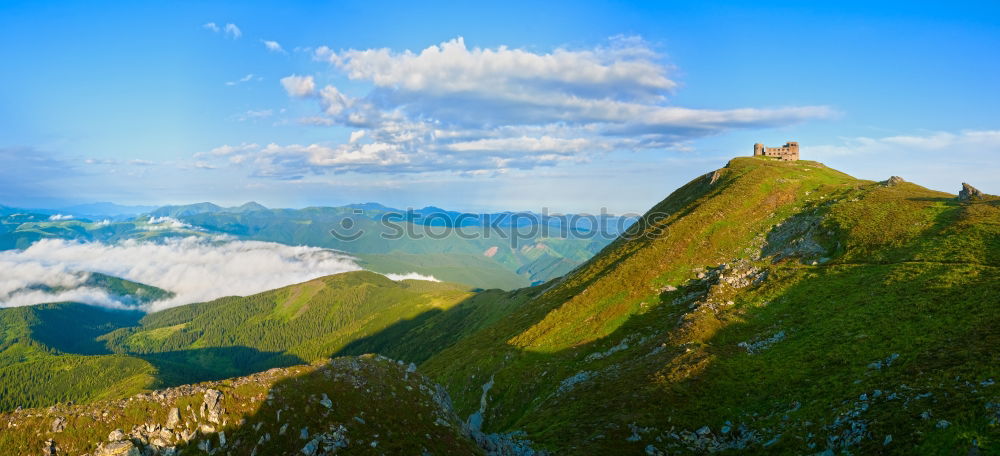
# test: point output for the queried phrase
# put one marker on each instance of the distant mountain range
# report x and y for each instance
(492, 250)
(767, 307)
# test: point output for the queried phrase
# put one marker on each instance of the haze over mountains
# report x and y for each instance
(203, 251)
(766, 307)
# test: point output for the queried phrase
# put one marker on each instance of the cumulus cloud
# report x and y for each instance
(481, 110)
(166, 223)
(194, 268)
(299, 86)
(273, 46)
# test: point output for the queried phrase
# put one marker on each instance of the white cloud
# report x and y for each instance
(247, 78)
(229, 30)
(195, 269)
(412, 276)
(255, 114)
(299, 86)
(232, 31)
(941, 160)
(166, 223)
(483, 111)
(229, 150)
(356, 135)
(972, 141)
(59, 217)
(273, 46)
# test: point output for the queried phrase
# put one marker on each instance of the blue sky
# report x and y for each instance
(571, 106)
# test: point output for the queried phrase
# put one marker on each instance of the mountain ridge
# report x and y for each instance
(864, 313)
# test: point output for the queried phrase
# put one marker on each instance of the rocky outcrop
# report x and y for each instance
(119, 448)
(49, 448)
(173, 418)
(893, 181)
(361, 403)
(211, 406)
(969, 193)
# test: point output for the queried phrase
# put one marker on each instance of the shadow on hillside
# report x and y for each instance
(375, 408)
(74, 328)
(833, 323)
(213, 363)
(393, 338)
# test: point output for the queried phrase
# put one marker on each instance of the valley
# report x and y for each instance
(766, 307)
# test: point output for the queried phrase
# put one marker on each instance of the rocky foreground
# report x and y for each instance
(363, 405)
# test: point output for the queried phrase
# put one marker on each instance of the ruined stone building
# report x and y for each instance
(789, 152)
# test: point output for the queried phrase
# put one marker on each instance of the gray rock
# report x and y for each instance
(304, 433)
(969, 193)
(50, 448)
(116, 435)
(59, 424)
(326, 402)
(119, 448)
(310, 448)
(173, 418)
(893, 181)
(212, 405)
(942, 424)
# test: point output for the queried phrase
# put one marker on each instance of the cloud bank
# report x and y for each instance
(474, 110)
(194, 268)
(940, 160)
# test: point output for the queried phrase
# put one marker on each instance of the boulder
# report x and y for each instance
(116, 435)
(119, 448)
(893, 181)
(59, 424)
(50, 448)
(173, 418)
(212, 405)
(969, 193)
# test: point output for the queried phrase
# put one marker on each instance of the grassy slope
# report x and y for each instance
(300, 323)
(61, 352)
(899, 269)
(476, 270)
(382, 408)
(48, 354)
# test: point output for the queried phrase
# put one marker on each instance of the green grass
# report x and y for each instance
(393, 413)
(827, 275)
(905, 270)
